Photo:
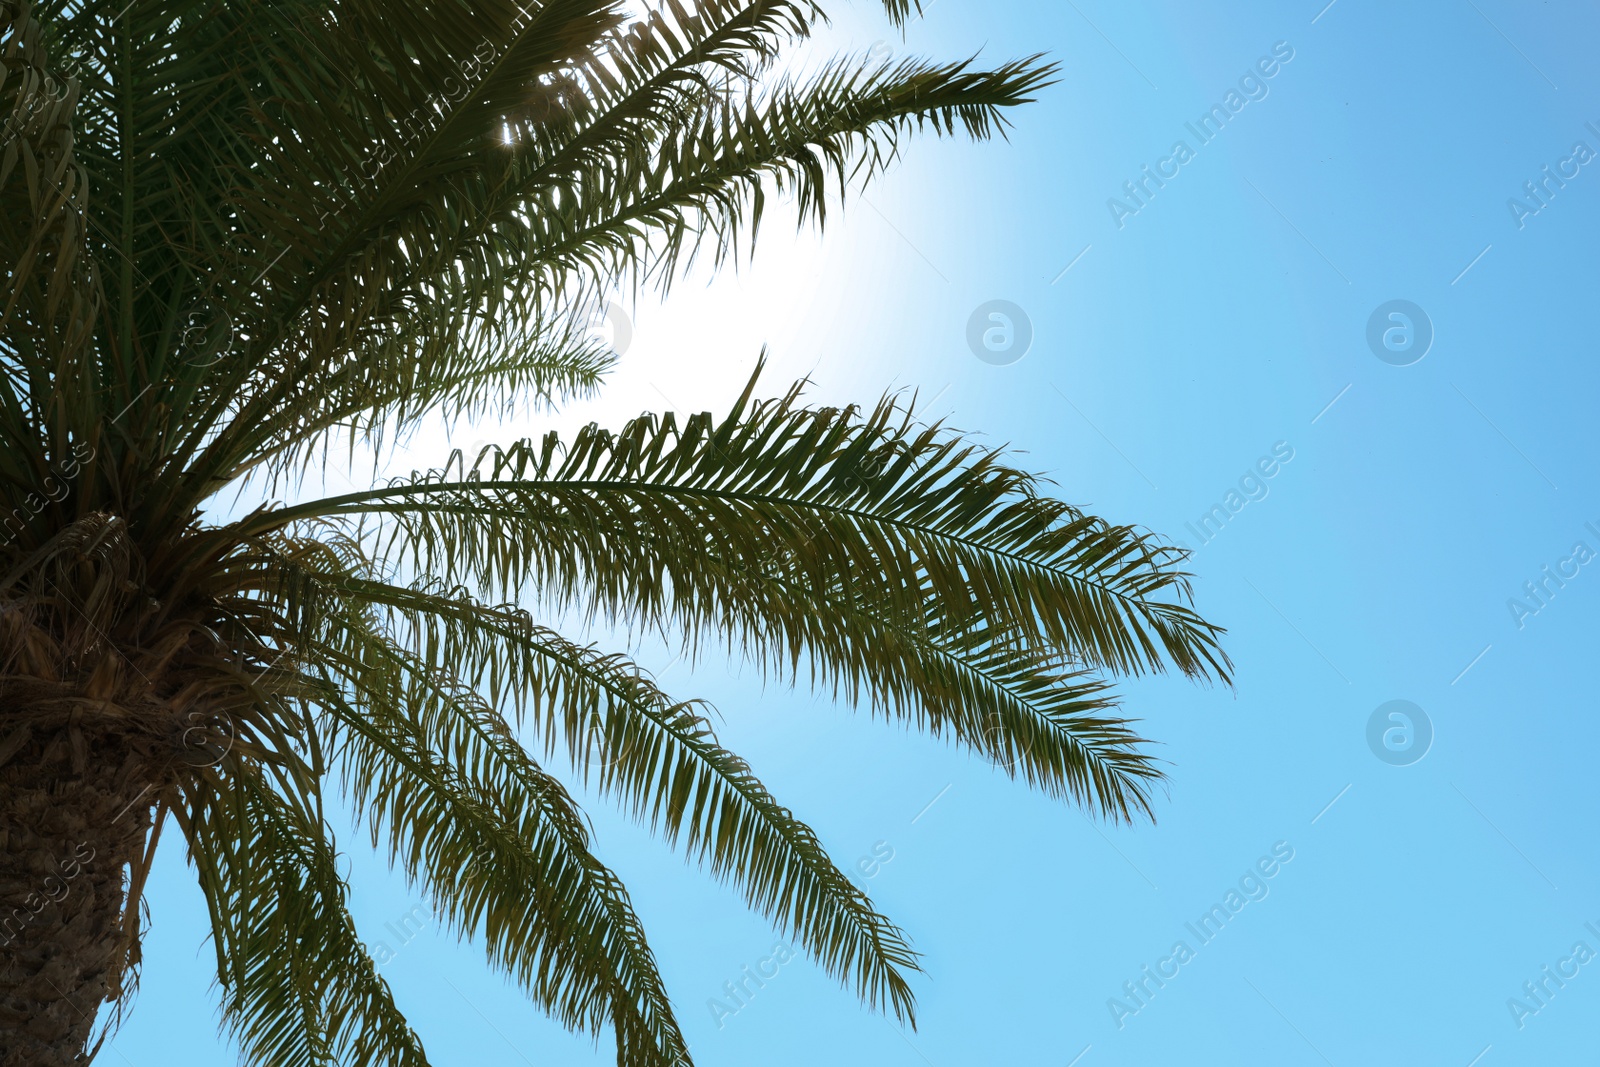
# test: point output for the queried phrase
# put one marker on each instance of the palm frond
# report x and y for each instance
(661, 758)
(495, 840)
(300, 989)
(644, 525)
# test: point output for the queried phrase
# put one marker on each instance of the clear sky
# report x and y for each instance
(1377, 501)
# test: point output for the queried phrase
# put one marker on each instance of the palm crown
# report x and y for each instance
(235, 232)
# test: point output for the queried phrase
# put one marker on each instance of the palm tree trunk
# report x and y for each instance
(73, 815)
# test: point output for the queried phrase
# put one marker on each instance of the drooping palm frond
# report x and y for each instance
(662, 759)
(300, 987)
(500, 846)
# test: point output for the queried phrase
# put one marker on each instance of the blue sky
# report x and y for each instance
(1171, 353)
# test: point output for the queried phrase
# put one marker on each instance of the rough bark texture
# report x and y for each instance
(73, 814)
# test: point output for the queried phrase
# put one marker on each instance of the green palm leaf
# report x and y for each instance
(300, 989)
(816, 494)
(662, 759)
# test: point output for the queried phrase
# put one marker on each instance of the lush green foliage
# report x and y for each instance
(237, 232)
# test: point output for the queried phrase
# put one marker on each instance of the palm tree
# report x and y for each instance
(236, 233)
